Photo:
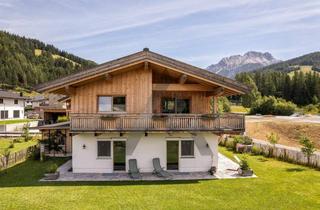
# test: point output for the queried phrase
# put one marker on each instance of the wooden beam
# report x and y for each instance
(108, 77)
(180, 87)
(69, 90)
(216, 92)
(183, 79)
(146, 66)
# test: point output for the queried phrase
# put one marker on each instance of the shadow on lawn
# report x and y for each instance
(295, 169)
(28, 174)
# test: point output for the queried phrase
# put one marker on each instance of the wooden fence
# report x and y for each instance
(17, 157)
(285, 153)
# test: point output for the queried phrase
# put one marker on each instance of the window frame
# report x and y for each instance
(175, 99)
(18, 111)
(105, 156)
(15, 101)
(112, 104)
(4, 111)
(193, 147)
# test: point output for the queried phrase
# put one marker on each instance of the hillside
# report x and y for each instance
(311, 59)
(27, 62)
(230, 66)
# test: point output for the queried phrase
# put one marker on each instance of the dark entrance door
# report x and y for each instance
(119, 155)
(172, 155)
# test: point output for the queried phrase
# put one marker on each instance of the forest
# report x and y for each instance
(20, 66)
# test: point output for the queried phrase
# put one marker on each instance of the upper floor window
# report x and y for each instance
(175, 105)
(16, 101)
(1, 100)
(111, 103)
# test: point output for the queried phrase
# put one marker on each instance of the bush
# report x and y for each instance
(62, 119)
(11, 145)
(230, 145)
(311, 109)
(256, 150)
(272, 105)
(244, 165)
(52, 168)
(246, 140)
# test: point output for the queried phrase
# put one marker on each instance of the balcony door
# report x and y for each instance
(172, 155)
(175, 105)
(119, 155)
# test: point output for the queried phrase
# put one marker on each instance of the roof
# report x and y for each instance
(10, 94)
(139, 57)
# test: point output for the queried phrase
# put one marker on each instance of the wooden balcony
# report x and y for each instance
(225, 123)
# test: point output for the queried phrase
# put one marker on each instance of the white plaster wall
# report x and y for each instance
(147, 148)
(8, 104)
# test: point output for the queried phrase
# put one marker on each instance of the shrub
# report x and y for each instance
(11, 145)
(62, 119)
(311, 109)
(244, 165)
(308, 147)
(52, 168)
(242, 140)
(230, 145)
(272, 105)
(256, 150)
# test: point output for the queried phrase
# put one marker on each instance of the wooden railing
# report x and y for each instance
(157, 122)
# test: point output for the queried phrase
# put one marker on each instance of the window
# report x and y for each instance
(15, 101)
(1, 100)
(187, 148)
(16, 113)
(174, 105)
(104, 148)
(111, 103)
(4, 114)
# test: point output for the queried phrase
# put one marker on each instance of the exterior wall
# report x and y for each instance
(8, 105)
(144, 149)
(136, 85)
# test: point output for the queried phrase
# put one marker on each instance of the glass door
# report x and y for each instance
(119, 155)
(172, 155)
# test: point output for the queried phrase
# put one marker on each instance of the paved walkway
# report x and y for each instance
(227, 169)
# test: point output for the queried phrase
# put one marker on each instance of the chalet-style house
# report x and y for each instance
(144, 106)
(11, 105)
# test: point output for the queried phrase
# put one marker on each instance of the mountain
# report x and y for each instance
(234, 64)
(27, 62)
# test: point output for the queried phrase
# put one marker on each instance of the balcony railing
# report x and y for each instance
(157, 122)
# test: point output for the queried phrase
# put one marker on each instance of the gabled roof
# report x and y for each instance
(139, 57)
(9, 94)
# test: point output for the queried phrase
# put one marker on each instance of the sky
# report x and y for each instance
(199, 32)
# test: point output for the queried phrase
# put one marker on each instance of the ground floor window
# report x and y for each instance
(16, 114)
(187, 148)
(104, 149)
(4, 114)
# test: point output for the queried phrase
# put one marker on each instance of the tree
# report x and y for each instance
(253, 95)
(308, 147)
(273, 139)
(26, 133)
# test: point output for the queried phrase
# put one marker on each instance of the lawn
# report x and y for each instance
(239, 109)
(5, 142)
(279, 186)
(6, 122)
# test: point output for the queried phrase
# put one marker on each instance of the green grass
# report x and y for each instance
(279, 185)
(5, 142)
(239, 109)
(6, 122)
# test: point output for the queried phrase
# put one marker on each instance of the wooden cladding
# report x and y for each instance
(158, 122)
(180, 87)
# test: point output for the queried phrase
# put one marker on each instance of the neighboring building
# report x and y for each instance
(11, 105)
(145, 106)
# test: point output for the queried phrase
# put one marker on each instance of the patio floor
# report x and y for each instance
(226, 170)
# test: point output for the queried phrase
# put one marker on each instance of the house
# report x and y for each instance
(11, 105)
(144, 106)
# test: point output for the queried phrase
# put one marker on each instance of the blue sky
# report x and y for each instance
(199, 32)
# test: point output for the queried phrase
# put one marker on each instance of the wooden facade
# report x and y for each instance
(144, 79)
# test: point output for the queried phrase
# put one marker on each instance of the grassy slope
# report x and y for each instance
(4, 143)
(239, 109)
(304, 69)
(279, 186)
